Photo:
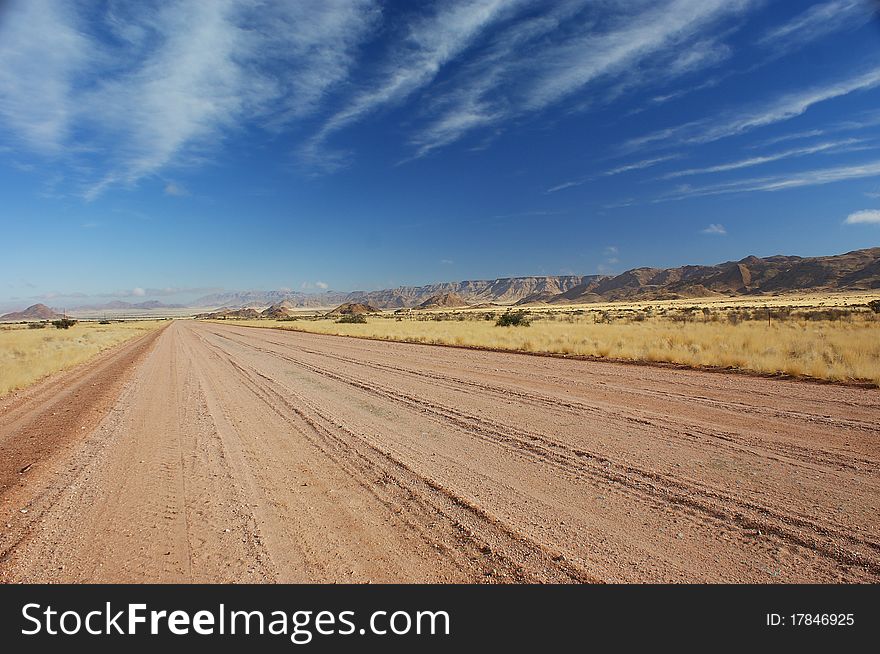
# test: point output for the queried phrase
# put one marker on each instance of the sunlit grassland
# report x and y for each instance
(27, 355)
(814, 340)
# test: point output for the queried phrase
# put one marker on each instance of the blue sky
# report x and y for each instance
(165, 149)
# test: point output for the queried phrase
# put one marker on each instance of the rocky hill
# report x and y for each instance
(351, 308)
(443, 301)
(223, 314)
(278, 311)
(33, 312)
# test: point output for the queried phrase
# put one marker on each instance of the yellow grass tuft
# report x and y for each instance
(842, 348)
(27, 355)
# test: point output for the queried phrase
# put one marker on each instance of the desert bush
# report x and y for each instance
(782, 313)
(352, 318)
(36, 325)
(827, 314)
(874, 305)
(64, 323)
(103, 322)
(831, 349)
(513, 319)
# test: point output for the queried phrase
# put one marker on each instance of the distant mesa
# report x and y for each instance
(33, 312)
(352, 308)
(443, 301)
(853, 271)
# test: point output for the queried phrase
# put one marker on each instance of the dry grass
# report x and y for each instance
(844, 346)
(27, 355)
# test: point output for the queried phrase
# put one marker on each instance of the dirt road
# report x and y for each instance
(216, 453)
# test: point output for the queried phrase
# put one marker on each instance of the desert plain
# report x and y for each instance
(279, 451)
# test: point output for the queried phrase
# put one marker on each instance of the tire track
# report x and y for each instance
(714, 438)
(484, 534)
(795, 529)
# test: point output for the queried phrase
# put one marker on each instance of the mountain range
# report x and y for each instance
(506, 290)
(854, 271)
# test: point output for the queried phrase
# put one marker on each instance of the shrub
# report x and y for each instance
(103, 322)
(513, 319)
(36, 325)
(874, 305)
(64, 323)
(358, 318)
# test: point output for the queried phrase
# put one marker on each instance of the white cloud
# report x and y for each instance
(532, 68)
(308, 286)
(451, 126)
(41, 51)
(755, 161)
(702, 54)
(868, 216)
(176, 79)
(818, 21)
(138, 292)
(171, 188)
(565, 185)
(788, 137)
(783, 108)
(430, 44)
(799, 179)
(638, 165)
(571, 65)
(173, 82)
(715, 229)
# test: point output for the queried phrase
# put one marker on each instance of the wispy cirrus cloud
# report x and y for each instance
(569, 66)
(542, 61)
(144, 86)
(637, 165)
(816, 22)
(784, 107)
(815, 177)
(131, 89)
(794, 136)
(830, 146)
(430, 43)
(37, 82)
